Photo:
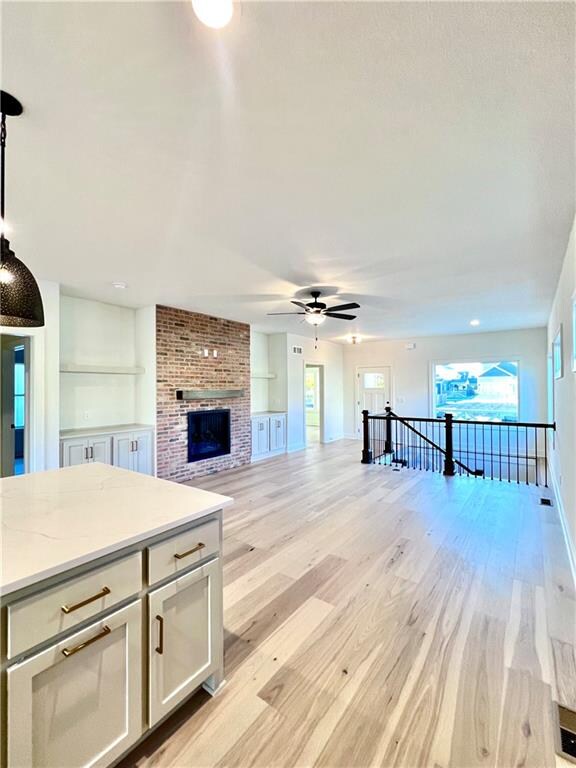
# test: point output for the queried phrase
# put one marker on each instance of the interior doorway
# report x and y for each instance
(373, 391)
(314, 403)
(14, 404)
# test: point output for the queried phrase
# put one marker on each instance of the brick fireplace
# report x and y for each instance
(181, 338)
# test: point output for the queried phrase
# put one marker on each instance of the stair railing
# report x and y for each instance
(509, 451)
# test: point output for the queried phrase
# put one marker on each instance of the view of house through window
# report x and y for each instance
(477, 391)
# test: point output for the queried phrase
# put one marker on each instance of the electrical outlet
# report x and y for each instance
(86, 415)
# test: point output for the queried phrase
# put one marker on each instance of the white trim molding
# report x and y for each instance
(570, 545)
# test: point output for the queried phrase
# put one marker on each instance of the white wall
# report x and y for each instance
(94, 333)
(146, 358)
(44, 425)
(259, 364)
(412, 373)
(287, 389)
(563, 455)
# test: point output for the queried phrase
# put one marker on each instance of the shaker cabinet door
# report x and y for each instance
(74, 452)
(185, 637)
(79, 703)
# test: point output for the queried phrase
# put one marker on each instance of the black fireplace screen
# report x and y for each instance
(208, 434)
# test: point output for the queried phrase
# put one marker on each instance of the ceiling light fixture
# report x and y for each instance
(20, 299)
(315, 318)
(119, 284)
(214, 13)
(354, 339)
(474, 323)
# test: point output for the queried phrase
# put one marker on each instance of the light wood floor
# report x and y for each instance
(382, 618)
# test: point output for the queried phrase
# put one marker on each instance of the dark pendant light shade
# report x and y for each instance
(20, 299)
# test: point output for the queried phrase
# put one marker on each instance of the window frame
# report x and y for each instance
(464, 359)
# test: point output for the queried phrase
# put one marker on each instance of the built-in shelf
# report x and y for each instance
(263, 376)
(131, 370)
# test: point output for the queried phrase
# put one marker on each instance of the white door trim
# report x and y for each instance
(359, 369)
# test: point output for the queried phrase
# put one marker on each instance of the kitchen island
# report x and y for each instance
(111, 608)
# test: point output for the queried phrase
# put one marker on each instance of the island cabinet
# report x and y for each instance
(98, 654)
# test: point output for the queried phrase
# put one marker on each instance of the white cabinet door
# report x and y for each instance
(79, 703)
(277, 432)
(185, 640)
(100, 449)
(260, 435)
(142, 453)
(122, 445)
(74, 451)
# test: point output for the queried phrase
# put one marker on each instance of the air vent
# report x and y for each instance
(297, 350)
(566, 733)
(545, 502)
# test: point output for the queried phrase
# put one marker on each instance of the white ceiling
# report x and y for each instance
(418, 157)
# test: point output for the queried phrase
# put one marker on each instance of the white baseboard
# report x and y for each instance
(294, 448)
(570, 545)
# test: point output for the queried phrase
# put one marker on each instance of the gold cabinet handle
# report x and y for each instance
(160, 647)
(69, 608)
(71, 651)
(197, 548)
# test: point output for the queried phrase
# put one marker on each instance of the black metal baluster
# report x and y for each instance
(536, 454)
(526, 450)
(546, 458)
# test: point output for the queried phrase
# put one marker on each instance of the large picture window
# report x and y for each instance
(477, 391)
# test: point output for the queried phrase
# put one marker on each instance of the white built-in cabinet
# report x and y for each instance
(132, 450)
(268, 434)
(79, 702)
(84, 450)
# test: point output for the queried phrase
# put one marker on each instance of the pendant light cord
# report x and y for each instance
(3, 162)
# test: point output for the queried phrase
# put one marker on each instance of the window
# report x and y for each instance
(19, 388)
(477, 391)
(374, 381)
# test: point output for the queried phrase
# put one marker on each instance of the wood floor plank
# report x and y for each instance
(381, 618)
(526, 734)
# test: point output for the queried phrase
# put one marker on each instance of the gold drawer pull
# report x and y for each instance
(197, 548)
(160, 647)
(69, 608)
(71, 651)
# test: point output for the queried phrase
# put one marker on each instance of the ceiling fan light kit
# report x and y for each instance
(20, 299)
(315, 312)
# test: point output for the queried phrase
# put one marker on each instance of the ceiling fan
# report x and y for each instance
(316, 312)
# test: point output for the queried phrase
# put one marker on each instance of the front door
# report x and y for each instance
(372, 391)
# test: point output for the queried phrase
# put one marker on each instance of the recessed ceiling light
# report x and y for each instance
(474, 323)
(213, 13)
(120, 284)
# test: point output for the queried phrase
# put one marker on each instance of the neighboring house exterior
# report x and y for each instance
(500, 381)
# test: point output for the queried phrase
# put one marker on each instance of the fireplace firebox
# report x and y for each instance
(208, 434)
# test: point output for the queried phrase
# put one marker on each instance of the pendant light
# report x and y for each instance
(20, 299)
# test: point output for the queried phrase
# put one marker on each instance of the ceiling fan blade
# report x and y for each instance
(340, 316)
(342, 307)
(299, 304)
(286, 313)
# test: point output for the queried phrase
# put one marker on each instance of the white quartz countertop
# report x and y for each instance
(267, 413)
(56, 520)
(87, 431)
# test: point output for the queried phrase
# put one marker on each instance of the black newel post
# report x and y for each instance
(449, 457)
(366, 451)
(388, 440)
